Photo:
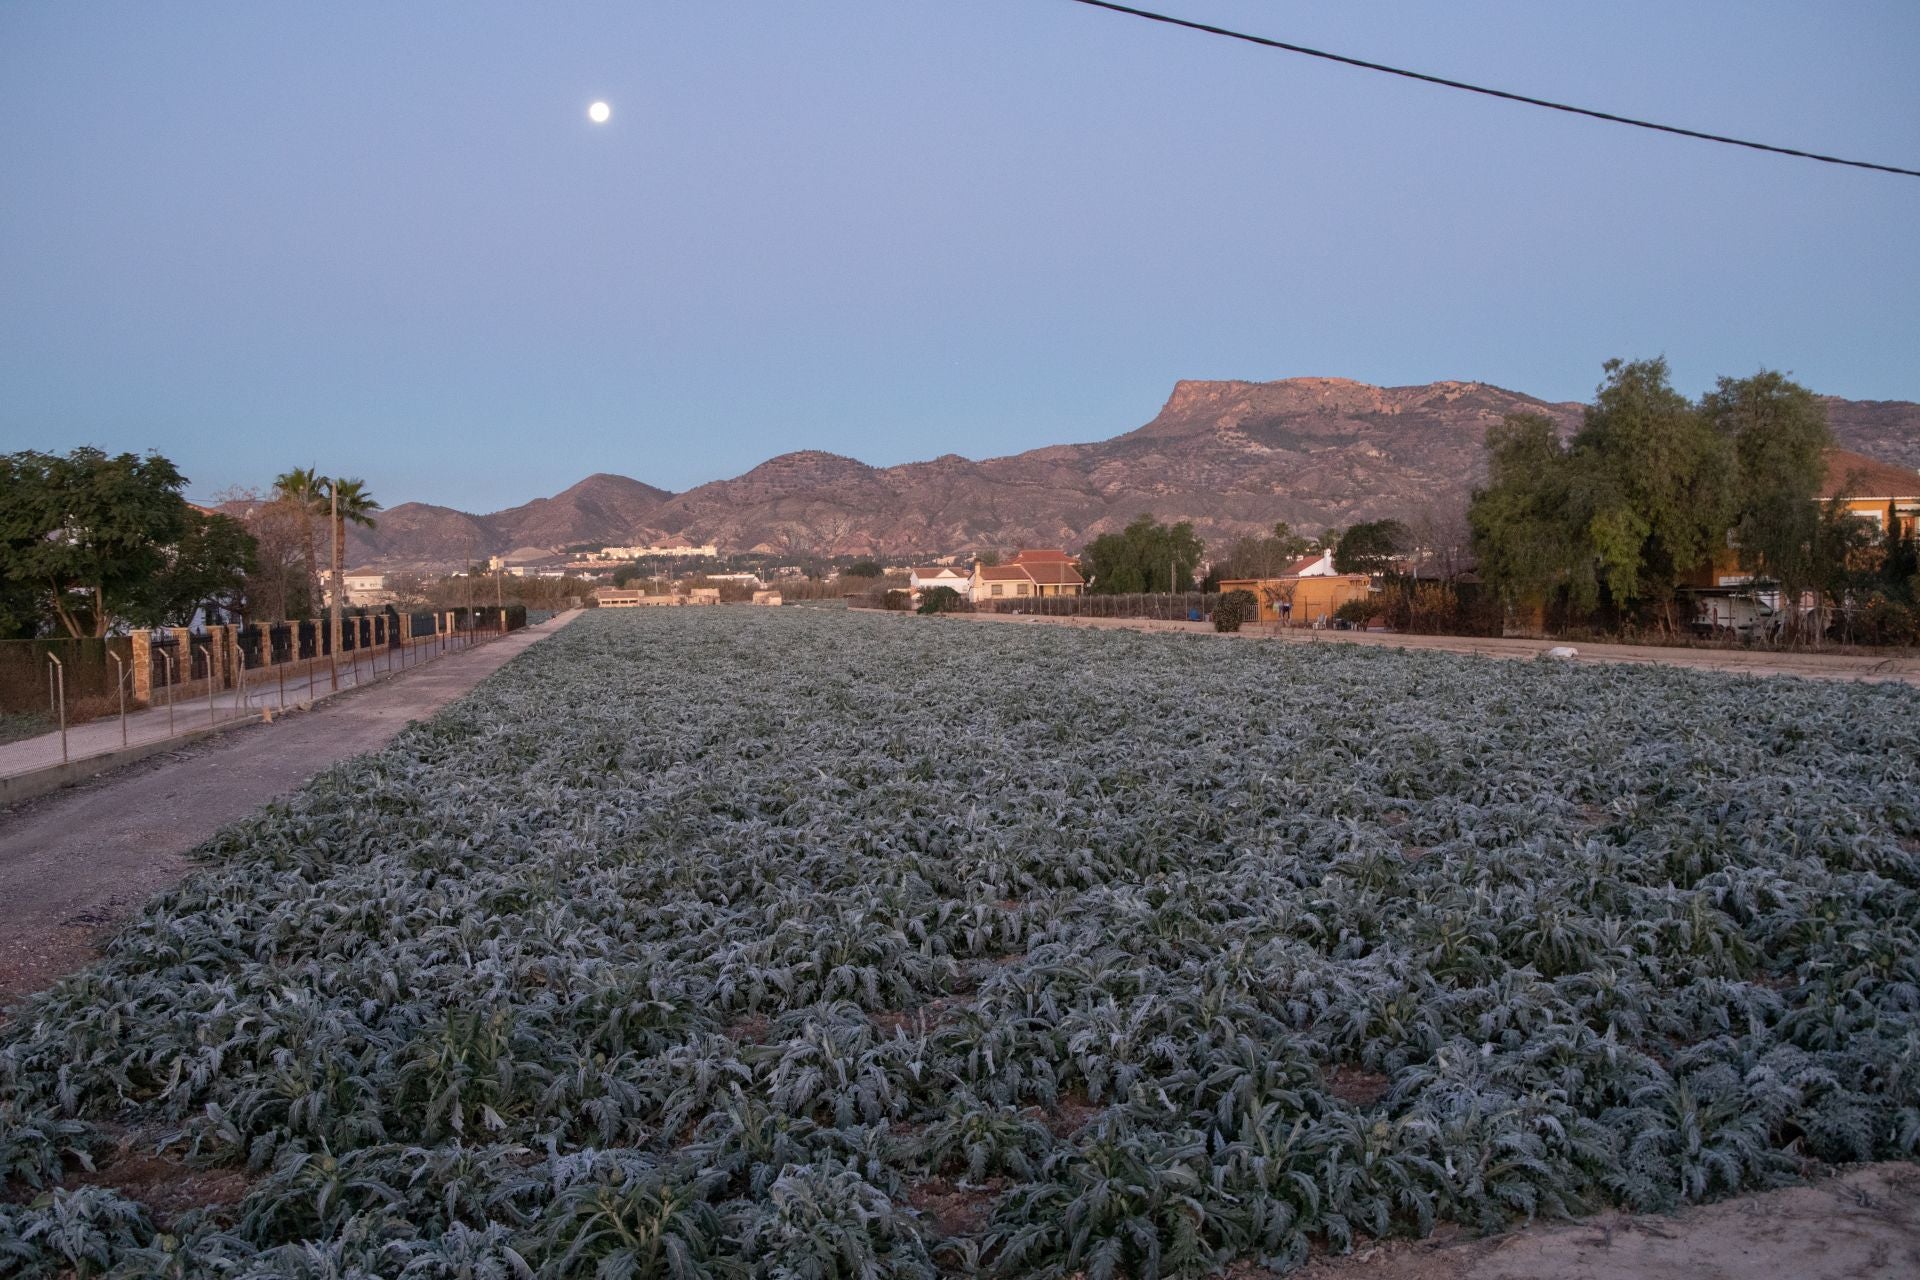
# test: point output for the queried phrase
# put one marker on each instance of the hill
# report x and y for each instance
(1230, 456)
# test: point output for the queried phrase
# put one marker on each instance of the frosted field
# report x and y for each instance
(728, 942)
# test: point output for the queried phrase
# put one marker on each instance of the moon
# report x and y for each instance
(599, 113)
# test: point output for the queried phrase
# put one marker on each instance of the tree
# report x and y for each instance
(863, 569)
(206, 569)
(1778, 434)
(304, 492)
(1145, 556)
(1522, 535)
(86, 532)
(1653, 484)
(349, 503)
(1371, 547)
(280, 584)
(1641, 496)
(1261, 556)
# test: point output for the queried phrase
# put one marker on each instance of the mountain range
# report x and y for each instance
(1233, 457)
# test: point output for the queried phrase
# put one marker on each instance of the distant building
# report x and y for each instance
(767, 598)
(676, 550)
(614, 598)
(366, 586)
(919, 580)
(1032, 573)
(1308, 598)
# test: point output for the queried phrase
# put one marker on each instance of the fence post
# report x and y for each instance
(211, 684)
(57, 680)
(172, 683)
(120, 687)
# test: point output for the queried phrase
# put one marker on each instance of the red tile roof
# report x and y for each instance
(1042, 555)
(1051, 573)
(1004, 573)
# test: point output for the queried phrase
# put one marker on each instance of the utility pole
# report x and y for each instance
(333, 604)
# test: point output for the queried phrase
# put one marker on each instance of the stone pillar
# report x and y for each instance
(183, 659)
(142, 667)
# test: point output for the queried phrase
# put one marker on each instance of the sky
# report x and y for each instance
(385, 240)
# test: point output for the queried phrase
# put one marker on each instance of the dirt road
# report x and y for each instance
(76, 863)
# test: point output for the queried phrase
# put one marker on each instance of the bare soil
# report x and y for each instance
(1862, 1223)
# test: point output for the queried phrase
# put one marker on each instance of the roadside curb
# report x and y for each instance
(18, 787)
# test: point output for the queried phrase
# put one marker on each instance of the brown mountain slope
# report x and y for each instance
(1232, 457)
(1888, 430)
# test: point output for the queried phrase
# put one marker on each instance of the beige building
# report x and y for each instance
(1034, 572)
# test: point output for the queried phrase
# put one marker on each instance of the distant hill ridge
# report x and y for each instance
(1231, 456)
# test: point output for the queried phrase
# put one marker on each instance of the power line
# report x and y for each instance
(1608, 116)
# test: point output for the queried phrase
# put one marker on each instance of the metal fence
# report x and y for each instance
(1178, 606)
(192, 680)
(28, 676)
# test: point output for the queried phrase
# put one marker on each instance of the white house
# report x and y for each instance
(1315, 564)
(918, 580)
(365, 587)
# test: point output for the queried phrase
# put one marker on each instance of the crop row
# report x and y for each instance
(708, 943)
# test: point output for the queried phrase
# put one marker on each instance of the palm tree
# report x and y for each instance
(348, 501)
(305, 490)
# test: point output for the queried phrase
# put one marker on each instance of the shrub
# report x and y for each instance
(1358, 612)
(941, 600)
(1233, 609)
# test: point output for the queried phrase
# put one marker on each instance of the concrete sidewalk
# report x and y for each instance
(76, 863)
(270, 691)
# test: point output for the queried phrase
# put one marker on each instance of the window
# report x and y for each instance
(1019, 588)
(998, 589)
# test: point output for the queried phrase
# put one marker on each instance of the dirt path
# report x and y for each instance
(75, 864)
(1900, 666)
(1863, 1224)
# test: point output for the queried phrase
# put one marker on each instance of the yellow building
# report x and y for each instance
(1302, 599)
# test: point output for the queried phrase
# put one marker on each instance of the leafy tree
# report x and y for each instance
(1145, 556)
(348, 502)
(1779, 436)
(86, 532)
(1371, 547)
(207, 568)
(1526, 545)
(1642, 495)
(864, 569)
(1653, 483)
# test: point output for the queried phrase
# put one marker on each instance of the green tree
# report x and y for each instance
(1145, 556)
(864, 569)
(1522, 534)
(1371, 547)
(1778, 434)
(348, 502)
(1653, 484)
(86, 532)
(207, 568)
